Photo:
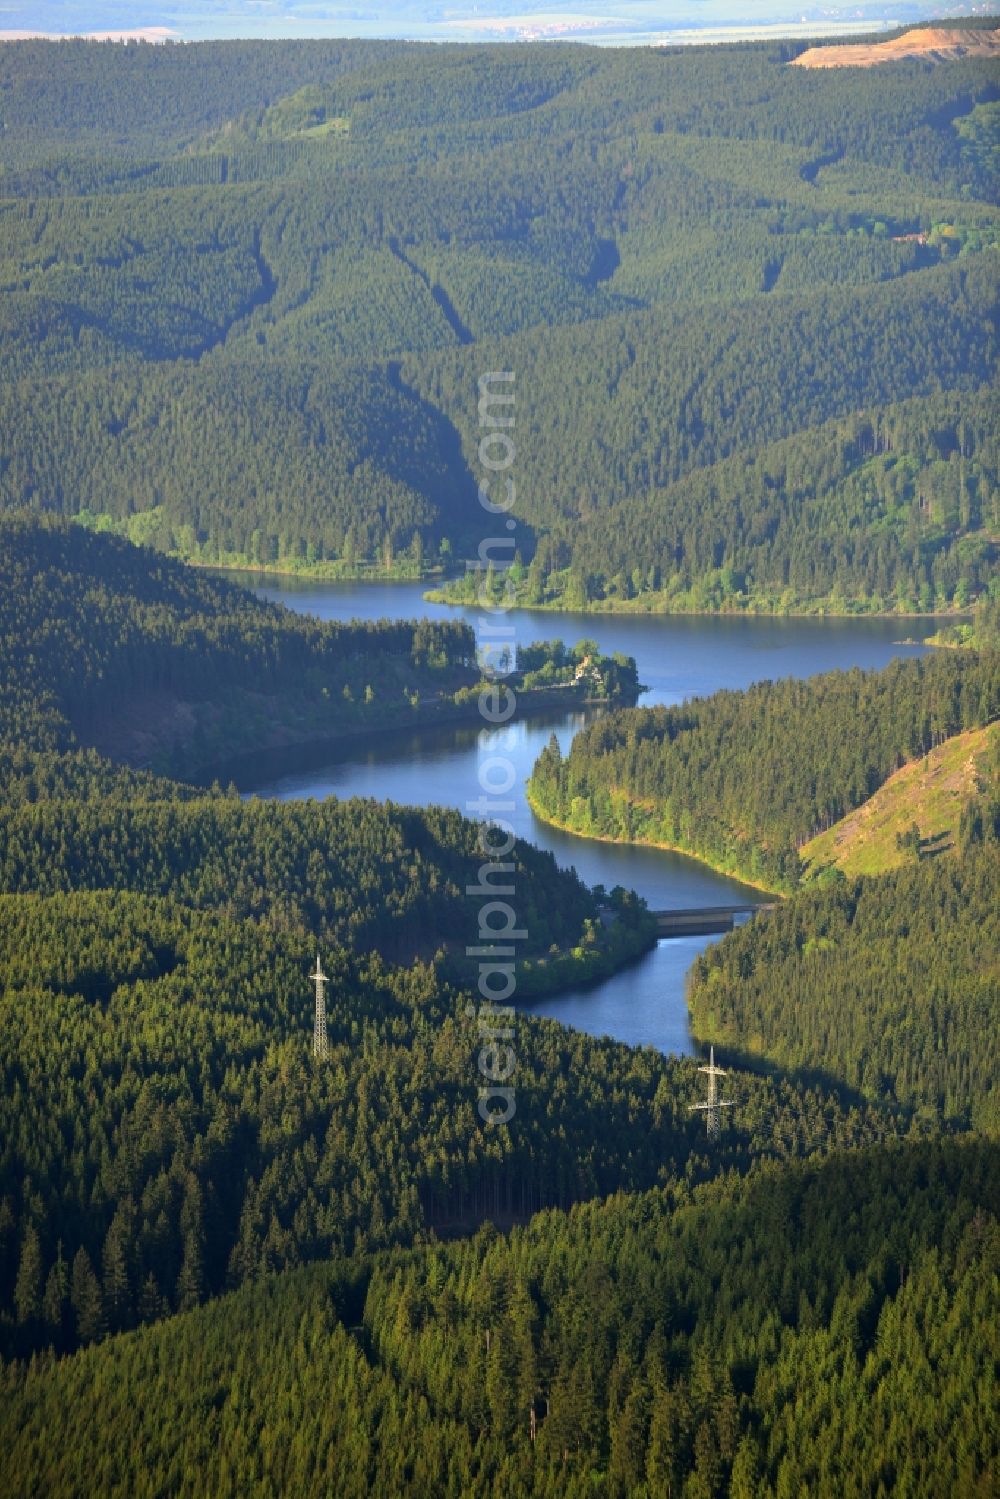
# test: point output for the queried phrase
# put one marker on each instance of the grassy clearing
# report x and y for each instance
(929, 793)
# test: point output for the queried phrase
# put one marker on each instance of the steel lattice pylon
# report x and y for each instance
(319, 978)
(714, 1103)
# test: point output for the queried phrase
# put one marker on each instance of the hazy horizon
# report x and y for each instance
(605, 22)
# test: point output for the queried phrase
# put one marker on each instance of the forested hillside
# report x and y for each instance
(165, 1132)
(186, 673)
(744, 779)
(249, 290)
(890, 983)
(920, 811)
(832, 518)
(109, 644)
(825, 1329)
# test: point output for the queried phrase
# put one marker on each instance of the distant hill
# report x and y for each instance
(248, 290)
(931, 44)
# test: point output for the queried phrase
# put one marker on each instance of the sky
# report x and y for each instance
(608, 22)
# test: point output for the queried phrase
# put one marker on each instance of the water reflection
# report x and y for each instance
(678, 657)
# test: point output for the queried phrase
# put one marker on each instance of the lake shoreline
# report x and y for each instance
(644, 1002)
(437, 595)
(311, 574)
(426, 717)
(611, 607)
(670, 848)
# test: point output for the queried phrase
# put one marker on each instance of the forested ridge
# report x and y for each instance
(895, 508)
(96, 633)
(166, 1133)
(249, 290)
(743, 779)
(820, 1329)
(182, 671)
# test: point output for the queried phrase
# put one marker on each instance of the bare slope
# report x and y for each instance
(934, 44)
(929, 793)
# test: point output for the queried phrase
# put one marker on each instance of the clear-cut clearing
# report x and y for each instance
(928, 793)
(934, 44)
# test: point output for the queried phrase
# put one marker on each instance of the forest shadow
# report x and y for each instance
(817, 1078)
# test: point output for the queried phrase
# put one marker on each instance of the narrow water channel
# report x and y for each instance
(678, 657)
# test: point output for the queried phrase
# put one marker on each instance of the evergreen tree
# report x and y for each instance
(191, 1280)
(28, 1287)
(55, 1300)
(86, 1299)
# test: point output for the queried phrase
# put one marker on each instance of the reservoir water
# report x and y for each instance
(678, 657)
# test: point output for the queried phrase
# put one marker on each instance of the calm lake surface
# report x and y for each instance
(678, 657)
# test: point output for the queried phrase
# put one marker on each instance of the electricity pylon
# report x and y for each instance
(319, 1024)
(714, 1103)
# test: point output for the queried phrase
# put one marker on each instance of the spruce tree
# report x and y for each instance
(28, 1287)
(56, 1297)
(86, 1298)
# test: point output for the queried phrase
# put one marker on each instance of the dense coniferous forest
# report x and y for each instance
(166, 1133)
(888, 983)
(818, 1329)
(97, 634)
(182, 671)
(247, 293)
(249, 290)
(892, 509)
(743, 779)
